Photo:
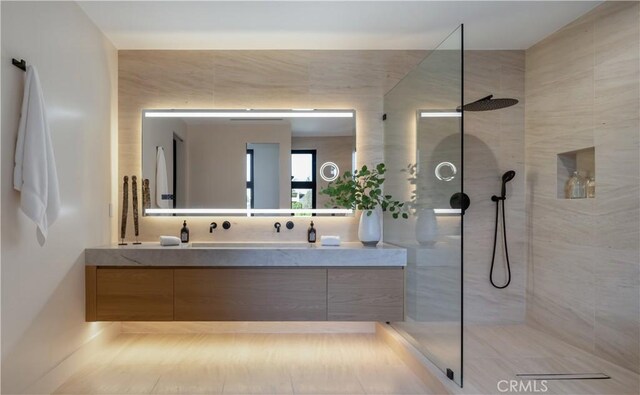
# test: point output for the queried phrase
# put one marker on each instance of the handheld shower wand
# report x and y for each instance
(506, 177)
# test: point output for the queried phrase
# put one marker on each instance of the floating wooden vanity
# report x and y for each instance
(289, 283)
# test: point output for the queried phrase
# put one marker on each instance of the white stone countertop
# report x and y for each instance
(349, 254)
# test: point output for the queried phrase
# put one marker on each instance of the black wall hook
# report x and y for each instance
(21, 64)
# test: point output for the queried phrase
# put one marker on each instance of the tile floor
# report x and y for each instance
(247, 364)
(493, 353)
(332, 364)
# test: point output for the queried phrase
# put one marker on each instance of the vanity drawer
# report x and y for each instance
(260, 294)
(244, 294)
(131, 294)
(365, 294)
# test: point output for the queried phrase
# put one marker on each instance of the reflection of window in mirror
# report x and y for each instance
(303, 179)
(250, 189)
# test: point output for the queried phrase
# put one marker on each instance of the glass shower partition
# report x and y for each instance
(423, 152)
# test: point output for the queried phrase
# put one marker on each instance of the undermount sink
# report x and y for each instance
(251, 245)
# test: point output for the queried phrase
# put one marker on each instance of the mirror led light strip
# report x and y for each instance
(447, 211)
(214, 211)
(435, 114)
(280, 211)
(249, 114)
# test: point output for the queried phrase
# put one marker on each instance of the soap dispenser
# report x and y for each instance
(184, 233)
(311, 234)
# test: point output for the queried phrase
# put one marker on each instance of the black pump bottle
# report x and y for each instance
(184, 233)
(311, 234)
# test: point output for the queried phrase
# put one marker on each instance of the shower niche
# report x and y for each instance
(582, 161)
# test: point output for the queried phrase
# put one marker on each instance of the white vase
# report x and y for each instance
(426, 227)
(369, 231)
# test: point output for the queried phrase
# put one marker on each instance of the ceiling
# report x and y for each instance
(328, 25)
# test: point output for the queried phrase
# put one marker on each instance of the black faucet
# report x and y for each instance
(212, 226)
(277, 226)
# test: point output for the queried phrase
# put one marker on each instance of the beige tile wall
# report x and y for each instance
(494, 143)
(583, 90)
(255, 79)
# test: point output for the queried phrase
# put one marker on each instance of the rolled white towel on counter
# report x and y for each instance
(330, 240)
(169, 241)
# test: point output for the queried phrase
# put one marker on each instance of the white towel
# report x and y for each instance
(34, 174)
(330, 240)
(169, 241)
(162, 184)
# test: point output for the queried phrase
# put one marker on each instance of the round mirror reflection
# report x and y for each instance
(329, 171)
(446, 171)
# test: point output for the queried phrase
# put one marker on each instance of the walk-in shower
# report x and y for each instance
(425, 148)
(488, 103)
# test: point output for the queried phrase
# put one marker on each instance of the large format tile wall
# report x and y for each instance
(255, 79)
(493, 144)
(582, 90)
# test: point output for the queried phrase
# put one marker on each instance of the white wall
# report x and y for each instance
(43, 285)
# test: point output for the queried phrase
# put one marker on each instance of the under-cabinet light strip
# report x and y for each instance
(283, 211)
(440, 114)
(248, 114)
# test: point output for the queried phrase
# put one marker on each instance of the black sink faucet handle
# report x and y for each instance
(226, 225)
(289, 225)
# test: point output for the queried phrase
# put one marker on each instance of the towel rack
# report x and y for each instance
(21, 64)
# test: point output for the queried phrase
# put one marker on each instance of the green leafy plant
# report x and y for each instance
(362, 190)
(419, 188)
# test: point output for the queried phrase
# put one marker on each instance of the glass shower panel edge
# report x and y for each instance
(424, 155)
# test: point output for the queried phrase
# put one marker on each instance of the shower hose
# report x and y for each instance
(495, 241)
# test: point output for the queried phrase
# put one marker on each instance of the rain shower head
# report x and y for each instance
(488, 104)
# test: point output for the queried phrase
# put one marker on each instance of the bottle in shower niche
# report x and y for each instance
(576, 187)
(184, 233)
(311, 234)
(591, 188)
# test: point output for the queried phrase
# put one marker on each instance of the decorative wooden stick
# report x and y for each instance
(125, 210)
(146, 195)
(134, 198)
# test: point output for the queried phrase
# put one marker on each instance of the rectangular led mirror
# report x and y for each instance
(245, 162)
